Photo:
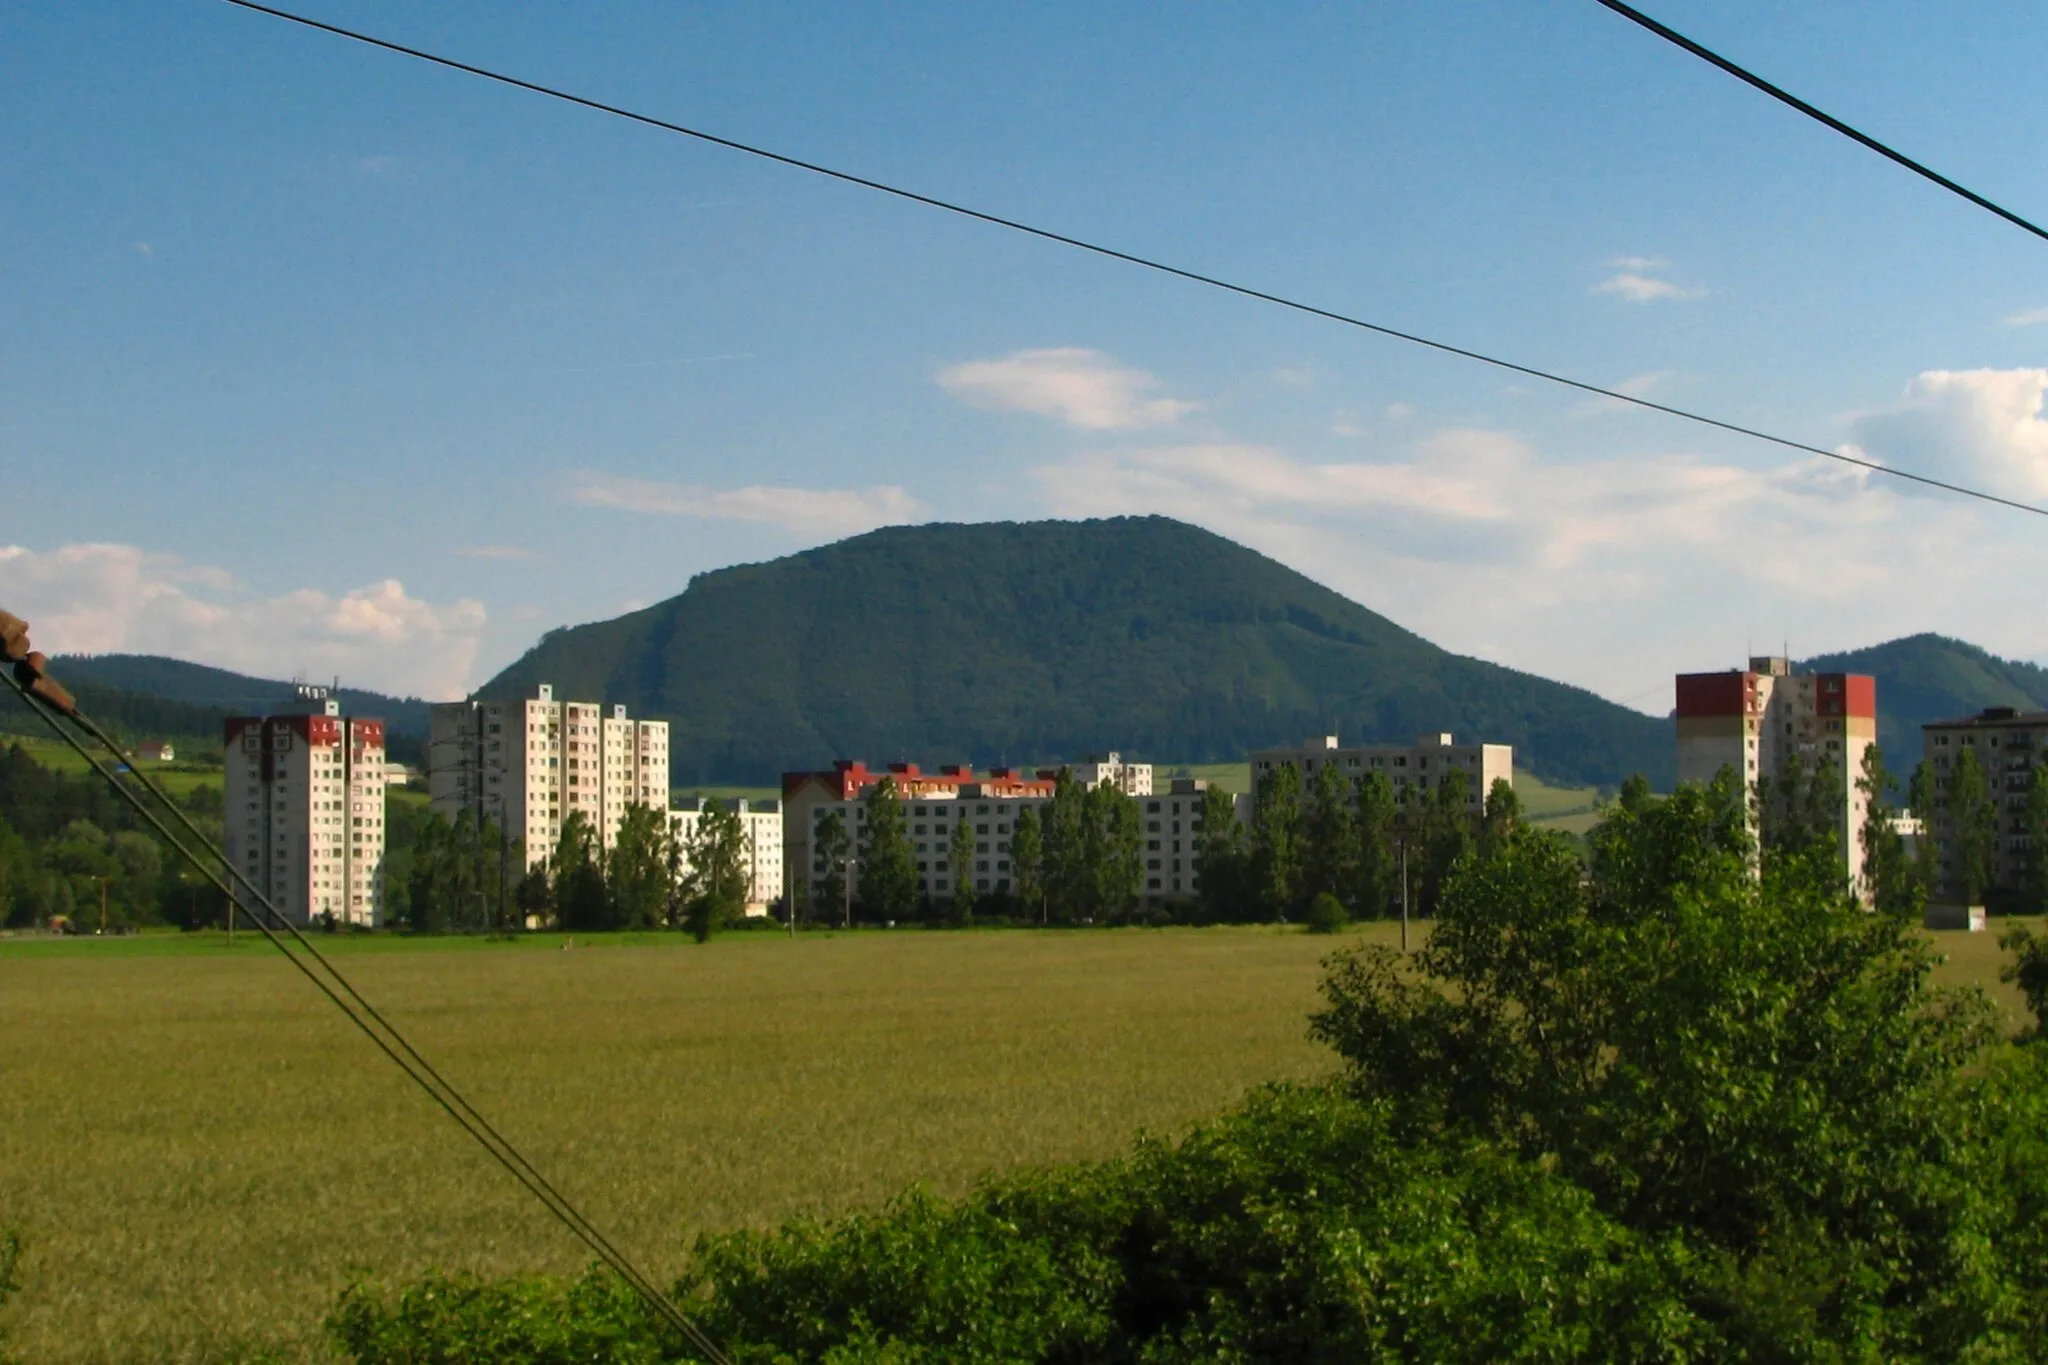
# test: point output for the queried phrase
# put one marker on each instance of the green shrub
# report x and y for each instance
(461, 1320)
(2028, 970)
(1326, 914)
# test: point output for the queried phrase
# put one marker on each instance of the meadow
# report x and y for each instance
(201, 1154)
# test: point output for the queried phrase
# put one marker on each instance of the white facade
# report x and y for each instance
(303, 813)
(762, 822)
(1413, 769)
(1132, 779)
(528, 764)
(1168, 818)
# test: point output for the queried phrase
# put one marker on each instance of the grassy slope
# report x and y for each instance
(1009, 642)
(199, 1151)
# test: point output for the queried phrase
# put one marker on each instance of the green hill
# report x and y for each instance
(1931, 677)
(219, 689)
(1038, 641)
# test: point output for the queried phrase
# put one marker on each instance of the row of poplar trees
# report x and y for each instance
(1080, 858)
(466, 876)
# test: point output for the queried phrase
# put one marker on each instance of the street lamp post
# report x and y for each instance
(1402, 844)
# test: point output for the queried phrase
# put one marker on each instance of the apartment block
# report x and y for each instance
(1757, 721)
(762, 821)
(2008, 743)
(531, 762)
(1412, 769)
(303, 812)
(1132, 779)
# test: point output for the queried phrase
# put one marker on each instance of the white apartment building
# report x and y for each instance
(303, 814)
(1413, 769)
(935, 804)
(1757, 721)
(762, 821)
(529, 763)
(1132, 779)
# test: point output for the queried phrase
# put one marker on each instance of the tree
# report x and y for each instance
(1329, 836)
(1760, 1075)
(1115, 850)
(1222, 871)
(960, 861)
(1891, 884)
(637, 875)
(888, 874)
(1444, 835)
(1501, 818)
(1969, 828)
(581, 903)
(534, 896)
(1376, 877)
(716, 871)
(1064, 849)
(1276, 841)
(2037, 841)
(1026, 880)
(831, 848)
(1326, 914)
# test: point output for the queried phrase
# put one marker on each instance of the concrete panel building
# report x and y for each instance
(529, 763)
(1757, 721)
(303, 810)
(1414, 770)
(2008, 743)
(762, 821)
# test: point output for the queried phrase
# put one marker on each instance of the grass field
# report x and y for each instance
(199, 1151)
(177, 778)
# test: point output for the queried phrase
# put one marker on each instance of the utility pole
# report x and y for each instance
(1402, 843)
(846, 885)
(103, 906)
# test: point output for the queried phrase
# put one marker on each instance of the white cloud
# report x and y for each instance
(101, 598)
(492, 552)
(1083, 388)
(800, 511)
(1977, 427)
(1637, 287)
(1613, 572)
(144, 249)
(1400, 412)
(2030, 317)
(1639, 263)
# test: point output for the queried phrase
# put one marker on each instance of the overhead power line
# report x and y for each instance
(24, 672)
(1783, 96)
(1131, 258)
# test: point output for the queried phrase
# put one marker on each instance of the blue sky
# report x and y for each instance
(315, 358)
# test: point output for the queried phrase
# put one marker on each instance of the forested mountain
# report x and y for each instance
(1037, 641)
(221, 690)
(1931, 677)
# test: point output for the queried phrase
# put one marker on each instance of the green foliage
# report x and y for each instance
(1055, 639)
(1376, 885)
(10, 1280)
(460, 1320)
(1757, 1070)
(960, 861)
(1220, 862)
(834, 849)
(715, 881)
(1276, 842)
(1329, 836)
(886, 884)
(2035, 889)
(640, 870)
(1892, 882)
(581, 902)
(460, 875)
(1326, 914)
(2028, 970)
(1970, 826)
(1115, 847)
(1027, 861)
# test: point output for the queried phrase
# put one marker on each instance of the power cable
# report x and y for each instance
(1131, 258)
(1784, 96)
(50, 703)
